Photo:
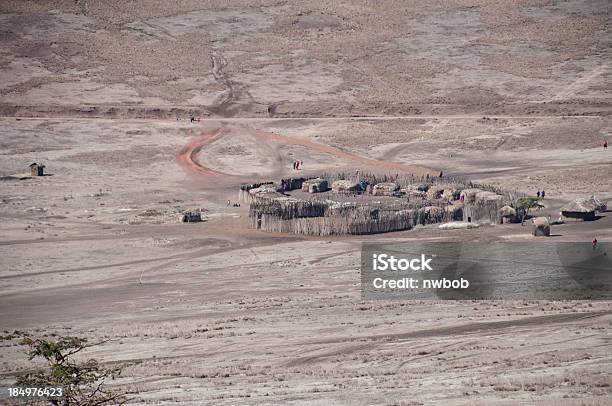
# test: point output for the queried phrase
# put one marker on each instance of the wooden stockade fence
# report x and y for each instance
(327, 218)
(362, 212)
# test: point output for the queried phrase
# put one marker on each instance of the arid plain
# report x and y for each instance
(513, 93)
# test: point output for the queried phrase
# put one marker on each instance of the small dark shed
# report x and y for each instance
(191, 217)
(37, 169)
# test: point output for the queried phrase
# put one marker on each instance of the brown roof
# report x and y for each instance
(580, 206)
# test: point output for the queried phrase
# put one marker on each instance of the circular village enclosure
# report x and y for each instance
(338, 204)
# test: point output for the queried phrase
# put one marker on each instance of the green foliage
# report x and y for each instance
(83, 383)
(529, 202)
(524, 204)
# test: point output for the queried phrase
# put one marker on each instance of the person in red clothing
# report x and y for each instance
(605, 145)
(594, 242)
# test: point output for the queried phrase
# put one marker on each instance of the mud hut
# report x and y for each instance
(579, 209)
(191, 217)
(435, 192)
(469, 195)
(37, 169)
(345, 186)
(600, 206)
(541, 227)
(487, 196)
(508, 215)
(451, 194)
(385, 189)
(292, 183)
(316, 185)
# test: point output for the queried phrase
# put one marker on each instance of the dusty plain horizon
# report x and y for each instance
(516, 94)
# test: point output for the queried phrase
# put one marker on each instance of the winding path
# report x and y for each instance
(189, 154)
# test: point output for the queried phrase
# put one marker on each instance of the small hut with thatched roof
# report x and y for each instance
(485, 196)
(385, 189)
(316, 185)
(346, 186)
(435, 192)
(469, 195)
(541, 227)
(191, 217)
(579, 209)
(508, 215)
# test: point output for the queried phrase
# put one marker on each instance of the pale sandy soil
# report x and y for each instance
(216, 313)
(515, 93)
(305, 58)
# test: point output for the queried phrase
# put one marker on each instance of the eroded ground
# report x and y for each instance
(217, 313)
(515, 93)
(116, 58)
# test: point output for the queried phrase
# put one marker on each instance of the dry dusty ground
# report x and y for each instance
(215, 313)
(160, 58)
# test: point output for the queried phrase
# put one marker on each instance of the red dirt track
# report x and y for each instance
(188, 156)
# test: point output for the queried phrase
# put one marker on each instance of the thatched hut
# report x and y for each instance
(435, 192)
(191, 217)
(385, 189)
(508, 215)
(484, 211)
(541, 227)
(469, 195)
(317, 185)
(451, 194)
(487, 196)
(580, 209)
(345, 186)
(455, 211)
(600, 206)
(289, 184)
(414, 194)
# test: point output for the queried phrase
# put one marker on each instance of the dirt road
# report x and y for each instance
(189, 160)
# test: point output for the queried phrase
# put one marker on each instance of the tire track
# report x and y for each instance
(497, 327)
(188, 156)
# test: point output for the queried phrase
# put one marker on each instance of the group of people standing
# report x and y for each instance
(541, 194)
(297, 165)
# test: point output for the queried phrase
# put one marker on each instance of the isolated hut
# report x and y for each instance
(385, 189)
(191, 217)
(579, 209)
(508, 215)
(37, 169)
(541, 227)
(317, 185)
